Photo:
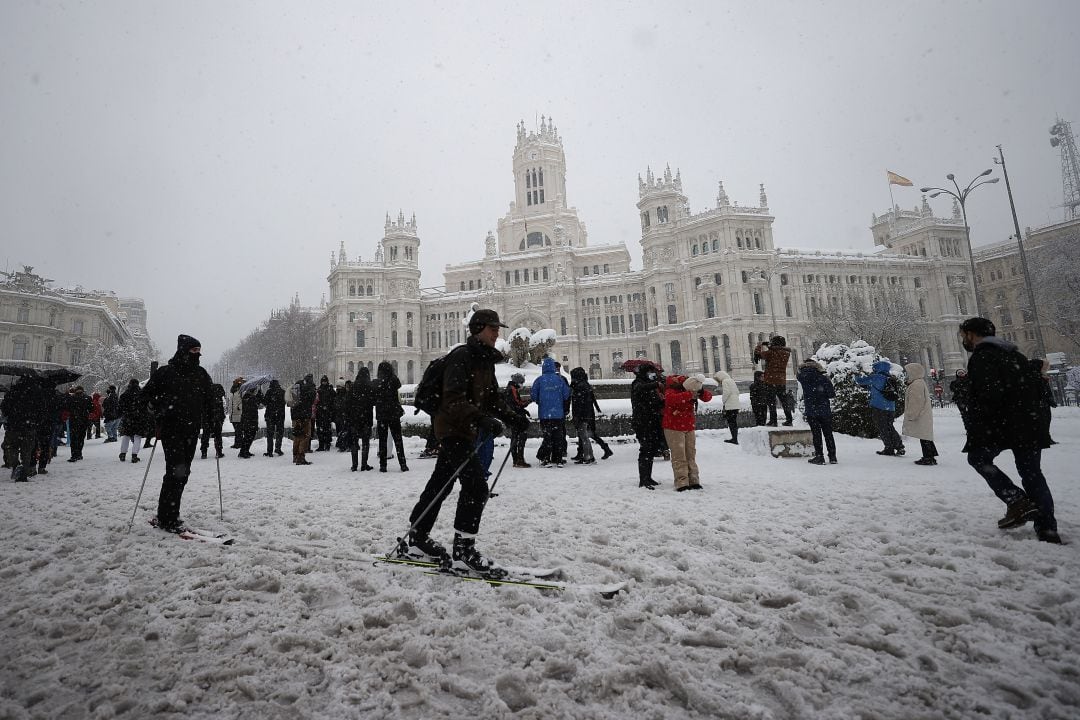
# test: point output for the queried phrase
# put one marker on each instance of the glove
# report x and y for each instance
(489, 426)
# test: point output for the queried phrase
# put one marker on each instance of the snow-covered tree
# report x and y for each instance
(1055, 278)
(879, 315)
(106, 365)
(851, 406)
(283, 346)
(519, 346)
(540, 345)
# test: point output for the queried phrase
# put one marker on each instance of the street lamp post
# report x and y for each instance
(1040, 348)
(961, 197)
(766, 275)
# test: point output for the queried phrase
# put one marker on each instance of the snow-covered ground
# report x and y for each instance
(870, 589)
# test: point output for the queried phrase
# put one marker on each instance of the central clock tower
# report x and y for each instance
(539, 170)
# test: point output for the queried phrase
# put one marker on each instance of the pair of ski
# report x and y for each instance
(537, 578)
(190, 533)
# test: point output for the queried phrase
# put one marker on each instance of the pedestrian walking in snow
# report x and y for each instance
(135, 422)
(470, 409)
(551, 393)
(110, 412)
(919, 413)
(818, 392)
(79, 407)
(960, 391)
(519, 405)
(274, 416)
(359, 415)
(584, 407)
(249, 420)
(1003, 415)
(775, 355)
(26, 407)
(179, 396)
(302, 412)
(647, 405)
(95, 418)
(760, 398)
(882, 408)
(388, 413)
(215, 421)
(236, 410)
(324, 415)
(680, 421)
(341, 394)
(730, 393)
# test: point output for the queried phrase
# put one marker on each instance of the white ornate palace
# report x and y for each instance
(712, 283)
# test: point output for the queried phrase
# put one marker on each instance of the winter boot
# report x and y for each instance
(424, 545)
(816, 460)
(465, 553)
(607, 453)
(134, 458)
(648, 484)
(123, 457)
(926, 461)
(1049, 536)
(1019, 513)
(203, 453)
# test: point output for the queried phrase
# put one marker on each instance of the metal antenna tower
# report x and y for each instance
(1061, 135)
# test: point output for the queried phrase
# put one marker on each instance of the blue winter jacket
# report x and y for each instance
(817, 389)
(550, 393)
(876, 382)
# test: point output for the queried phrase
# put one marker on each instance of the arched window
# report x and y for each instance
(352, 289)
(537, 239)
(393, 338)
(693, 251)
(370, 289)
(704, 355)
(715, 244)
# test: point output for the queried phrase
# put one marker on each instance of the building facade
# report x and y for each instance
(712, 283)
(1003, 289)
(45, 328)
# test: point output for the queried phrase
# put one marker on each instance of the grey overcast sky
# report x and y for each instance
(208, 156)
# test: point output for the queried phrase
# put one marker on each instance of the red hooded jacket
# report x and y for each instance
(679, 405)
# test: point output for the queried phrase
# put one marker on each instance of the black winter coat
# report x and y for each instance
(324, 408)
(1004, 399)
(180, 396)
(134, 418)
(648, 412)
(249, 408)
(27, 405)
(110, 407)
(471, 391)
(274, 399)
(360, 407)
(758, 394)
(387, 403)
(303, 400)
(582, 398)
(79, 406)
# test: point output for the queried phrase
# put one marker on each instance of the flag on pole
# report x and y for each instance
(895, 179)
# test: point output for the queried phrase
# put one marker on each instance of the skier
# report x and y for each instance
(274, 416)
(470, 405)
(180, 396)
(1003, 415)
(216, 420)
(817, 392)
(647, 410)
(919, 413)
(732, 404)
(388, 412)
(359, 409)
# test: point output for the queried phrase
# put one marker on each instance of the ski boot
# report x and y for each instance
(467, 557)
(423, 546)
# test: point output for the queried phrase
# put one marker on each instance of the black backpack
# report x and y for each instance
(429, 392)
(891, 391)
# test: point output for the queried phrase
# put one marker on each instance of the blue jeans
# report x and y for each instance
(110, 428)
(1028, 466)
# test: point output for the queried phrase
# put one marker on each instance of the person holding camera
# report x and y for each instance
(775, 354)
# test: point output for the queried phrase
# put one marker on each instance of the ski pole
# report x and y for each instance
(402, 542)
(145, 475)
(221, 502)
(491, 490)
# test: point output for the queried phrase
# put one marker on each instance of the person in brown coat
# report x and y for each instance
(775, 354)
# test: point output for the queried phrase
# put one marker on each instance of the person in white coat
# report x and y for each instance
(236, 409)
(919, 413)
(730, 392)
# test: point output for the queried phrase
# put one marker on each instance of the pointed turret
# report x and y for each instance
(721, 197)
(763, 199)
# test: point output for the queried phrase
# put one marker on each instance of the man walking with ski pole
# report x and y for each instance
(470, 405)
(179, 396)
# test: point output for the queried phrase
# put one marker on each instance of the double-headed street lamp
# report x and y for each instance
(961, 197)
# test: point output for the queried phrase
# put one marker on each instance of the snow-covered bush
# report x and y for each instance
(851, 406)
(519, 346)
(540, 344)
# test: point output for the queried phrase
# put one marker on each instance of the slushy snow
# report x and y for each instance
(870, 589)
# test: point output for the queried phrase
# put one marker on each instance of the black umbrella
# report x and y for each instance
(59, 376)
(18, 370)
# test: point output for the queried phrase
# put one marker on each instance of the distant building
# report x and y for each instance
(46, 328)
(712, 283)
(1003, 290)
